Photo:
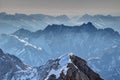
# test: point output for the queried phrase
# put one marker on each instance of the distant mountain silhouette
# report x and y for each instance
(9, 23)
(101, 21)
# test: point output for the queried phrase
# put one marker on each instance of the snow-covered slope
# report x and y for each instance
(23, 49)
(65, 67)
(71, 67)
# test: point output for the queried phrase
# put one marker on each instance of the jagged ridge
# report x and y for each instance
(68, 67)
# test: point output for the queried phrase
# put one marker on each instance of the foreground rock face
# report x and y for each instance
(66, 67)
(77, 69)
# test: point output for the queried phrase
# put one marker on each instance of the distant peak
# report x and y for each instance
(89, 26)
(86, 15)
(54, 27)
(63, 18)
(61, 28)
(22, 30)
(89, 23)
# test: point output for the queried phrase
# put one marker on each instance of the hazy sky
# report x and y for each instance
(57, 7)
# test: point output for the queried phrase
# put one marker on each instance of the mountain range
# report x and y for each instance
(10, 23)
(33, 22)
(66, 67)
(102, 21)
(99, 47)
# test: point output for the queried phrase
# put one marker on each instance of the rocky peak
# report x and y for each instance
(82, 66)
(71, 67)
(62, 18)
(22, 33)
(88, 27)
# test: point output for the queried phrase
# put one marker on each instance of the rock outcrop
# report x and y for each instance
(77, 69)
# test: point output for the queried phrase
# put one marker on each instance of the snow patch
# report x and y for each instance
(62, 67)
(26, 43)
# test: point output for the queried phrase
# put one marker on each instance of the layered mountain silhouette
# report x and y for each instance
(101, 21)
(12, 22)
(93, 44)
(67, 67)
